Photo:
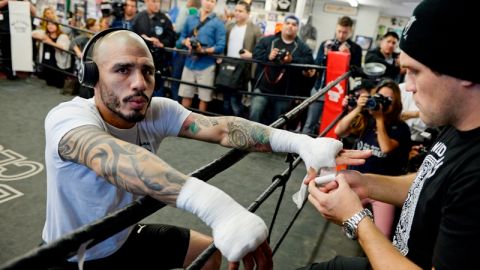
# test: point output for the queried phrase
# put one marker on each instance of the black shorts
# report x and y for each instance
(341, 263)
(149, 246)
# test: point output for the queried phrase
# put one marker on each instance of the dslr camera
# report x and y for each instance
(281, 54)
(194, 43)
(333, 45)
(373, 102)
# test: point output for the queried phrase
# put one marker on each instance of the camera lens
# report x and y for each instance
(372, 104)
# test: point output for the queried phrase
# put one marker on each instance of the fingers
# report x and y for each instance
(260, 257)
(352, 157)
(233, 265)
(263, 257)
(248, 262)
(311, 174)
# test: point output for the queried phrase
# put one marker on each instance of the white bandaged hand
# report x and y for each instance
(236, 231)
(318, 153)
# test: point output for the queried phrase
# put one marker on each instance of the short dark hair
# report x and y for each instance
(345, 21)
(391, 34)
(245, 4)
(90, 23)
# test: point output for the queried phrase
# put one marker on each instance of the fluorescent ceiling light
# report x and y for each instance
(353, 3)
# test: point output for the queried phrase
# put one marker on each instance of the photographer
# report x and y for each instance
(376, 124)
(124, 14)
(386, 55)
(342, 43)
(203, 34)
(283, 48)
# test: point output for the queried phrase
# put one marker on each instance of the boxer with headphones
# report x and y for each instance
(100, 156)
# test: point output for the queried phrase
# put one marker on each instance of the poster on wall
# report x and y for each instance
(21, 35)
(284, 5)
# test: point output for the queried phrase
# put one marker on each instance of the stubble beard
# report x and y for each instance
(112, 102)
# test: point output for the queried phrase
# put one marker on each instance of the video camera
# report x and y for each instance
(373, 102)
(113, 8)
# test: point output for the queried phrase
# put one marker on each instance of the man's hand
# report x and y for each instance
(319, 152)
(309, 73)
(155, 41)
(336, 201)
(316, 153)
(236, 231)
(273, 54)
(352, 157)
(246, 54)
(260, 257)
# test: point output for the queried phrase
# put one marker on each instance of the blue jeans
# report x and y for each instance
(160, 91)
(313, 118)
(178, 61)
(232, 101)
(259, 105)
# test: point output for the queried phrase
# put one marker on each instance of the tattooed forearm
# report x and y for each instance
(248, 135)
(199, 122)
(123, 164)
(228, 131)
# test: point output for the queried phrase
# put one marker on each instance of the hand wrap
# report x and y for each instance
(318, 153)
(236, 231)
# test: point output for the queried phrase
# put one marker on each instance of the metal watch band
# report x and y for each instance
(350, 226)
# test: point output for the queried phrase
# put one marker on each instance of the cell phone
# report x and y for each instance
(242, 51)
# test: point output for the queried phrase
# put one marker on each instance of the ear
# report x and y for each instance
(464, 83)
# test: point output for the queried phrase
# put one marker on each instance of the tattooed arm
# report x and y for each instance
(123, 164)
(243, 134)
(236, 231)
(228, 131)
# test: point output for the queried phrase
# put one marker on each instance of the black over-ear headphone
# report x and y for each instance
(88, 73)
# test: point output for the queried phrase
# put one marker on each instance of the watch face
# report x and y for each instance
(349, 230)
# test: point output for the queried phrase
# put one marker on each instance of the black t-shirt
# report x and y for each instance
(275, 78)
(393, 163)
(49, 54)
(440, 220)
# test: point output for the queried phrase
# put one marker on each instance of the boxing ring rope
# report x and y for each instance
(187, 52)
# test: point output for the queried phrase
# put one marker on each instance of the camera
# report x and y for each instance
(333, 45)
(373, 102)
(194, 43)
(112, 8)
(281, 54)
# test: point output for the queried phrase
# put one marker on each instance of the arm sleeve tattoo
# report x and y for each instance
(123, 164)
(229, 131)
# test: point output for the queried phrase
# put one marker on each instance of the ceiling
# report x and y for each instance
(402, 8)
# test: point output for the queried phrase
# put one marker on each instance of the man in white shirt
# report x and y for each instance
(100, 157)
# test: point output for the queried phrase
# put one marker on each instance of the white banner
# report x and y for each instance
(21, 35)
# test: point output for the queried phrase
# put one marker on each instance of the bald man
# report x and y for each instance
(100, 157)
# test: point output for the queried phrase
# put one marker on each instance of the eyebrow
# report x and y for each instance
(130, 65)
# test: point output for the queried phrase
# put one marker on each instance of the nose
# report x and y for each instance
(138, 81)
(409, 82)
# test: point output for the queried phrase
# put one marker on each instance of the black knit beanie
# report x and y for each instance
(441, 34)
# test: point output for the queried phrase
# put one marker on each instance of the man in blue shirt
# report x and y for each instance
(203, 34)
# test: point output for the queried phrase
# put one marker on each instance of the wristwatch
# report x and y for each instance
(350, 226)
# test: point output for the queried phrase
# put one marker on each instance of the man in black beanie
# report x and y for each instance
(439, 226)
